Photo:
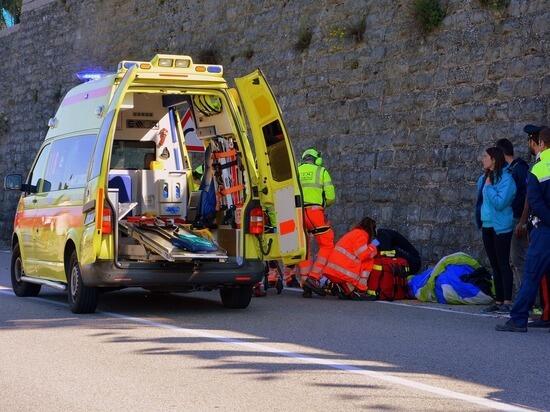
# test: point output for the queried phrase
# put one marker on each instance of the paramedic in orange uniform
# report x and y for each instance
(351, 261)
(318, 193)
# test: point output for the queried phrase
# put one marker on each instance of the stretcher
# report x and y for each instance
(162, 239)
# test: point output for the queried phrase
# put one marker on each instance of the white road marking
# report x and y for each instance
(418, 386)
(408, 305)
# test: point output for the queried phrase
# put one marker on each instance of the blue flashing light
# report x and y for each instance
(89, 75)
(129, 65)
(214, 69)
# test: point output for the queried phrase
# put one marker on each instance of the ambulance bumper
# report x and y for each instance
(172, 276)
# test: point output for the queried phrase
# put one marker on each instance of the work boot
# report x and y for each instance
(510, 327)
(539, 323)
(355, 295)
(315, 286)
(259, 290)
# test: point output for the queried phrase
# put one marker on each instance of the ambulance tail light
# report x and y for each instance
(106, 221)
(256, 225)
(104, 215)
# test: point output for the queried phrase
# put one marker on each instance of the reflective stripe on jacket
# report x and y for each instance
(538, 189)
(352, 256)
(316, 185)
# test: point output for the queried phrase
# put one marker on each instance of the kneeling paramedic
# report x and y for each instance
(350, 263)
(537, 261)
(318, 192)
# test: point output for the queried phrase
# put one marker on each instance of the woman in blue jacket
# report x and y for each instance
(495, 217)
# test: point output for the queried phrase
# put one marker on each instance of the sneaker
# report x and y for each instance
(491, 309)
(504, 309)
(315, 286)
(510, 327)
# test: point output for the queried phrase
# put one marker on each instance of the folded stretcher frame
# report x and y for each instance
(159, 240)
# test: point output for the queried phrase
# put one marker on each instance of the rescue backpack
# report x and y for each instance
(388, 278)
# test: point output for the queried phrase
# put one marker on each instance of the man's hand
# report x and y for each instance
(520, 231)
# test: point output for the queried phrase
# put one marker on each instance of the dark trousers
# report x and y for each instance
(497, 248)
(537, 263)
(545, 297)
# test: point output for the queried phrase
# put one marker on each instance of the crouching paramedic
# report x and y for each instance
(350, 263)
(319, 193)
(537, 261)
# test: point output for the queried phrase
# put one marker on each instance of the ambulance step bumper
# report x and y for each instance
(168, 275)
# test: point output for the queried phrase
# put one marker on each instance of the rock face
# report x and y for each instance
(400, 117)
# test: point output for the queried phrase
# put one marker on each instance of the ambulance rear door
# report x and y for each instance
(97, 239)
(279, 189)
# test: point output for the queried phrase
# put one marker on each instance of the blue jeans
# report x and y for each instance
(537, 263)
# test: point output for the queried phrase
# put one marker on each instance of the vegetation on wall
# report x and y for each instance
(10, 12)
(429, 14)
(3, 123)
(495, 4)
(356, 30)
(209, 56)
(304, 39)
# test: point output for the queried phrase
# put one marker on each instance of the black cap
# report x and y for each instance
(531, 129)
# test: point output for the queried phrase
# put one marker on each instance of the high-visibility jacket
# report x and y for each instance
(316, 185)
(352, 257)
(538, 190)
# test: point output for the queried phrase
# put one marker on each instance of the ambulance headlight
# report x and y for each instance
(165, 62)
(182, 63)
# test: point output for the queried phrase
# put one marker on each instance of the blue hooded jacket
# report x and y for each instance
(496, 202)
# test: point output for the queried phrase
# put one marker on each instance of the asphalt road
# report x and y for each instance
(143, 352)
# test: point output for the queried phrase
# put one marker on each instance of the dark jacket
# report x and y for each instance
(520, 170)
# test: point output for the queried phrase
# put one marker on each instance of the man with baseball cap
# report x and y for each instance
(537, 262)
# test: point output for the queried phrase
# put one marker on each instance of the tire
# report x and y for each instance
(21, 288)
(82, 299)
(237, 297)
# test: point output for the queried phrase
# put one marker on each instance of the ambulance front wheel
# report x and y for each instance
(82, 299)
(20, 287)
(237, 297)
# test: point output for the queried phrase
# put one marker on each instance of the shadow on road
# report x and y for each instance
(390, 339)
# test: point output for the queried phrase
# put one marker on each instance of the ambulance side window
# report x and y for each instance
(277, 151)
(100, 145)
(36, 176)
(68, 163)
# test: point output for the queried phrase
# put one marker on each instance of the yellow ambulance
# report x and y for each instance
(110, 200)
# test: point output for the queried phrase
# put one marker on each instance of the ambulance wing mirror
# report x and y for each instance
(13, 182)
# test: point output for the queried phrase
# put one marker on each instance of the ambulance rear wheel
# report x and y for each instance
(20, 287)
(236, 297)
(82, 299)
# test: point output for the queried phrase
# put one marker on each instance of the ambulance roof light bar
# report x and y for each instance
(172, 62)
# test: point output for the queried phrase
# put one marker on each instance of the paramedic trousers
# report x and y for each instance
(537, 263)
(348, 282)
(318, 228)
(498, 252)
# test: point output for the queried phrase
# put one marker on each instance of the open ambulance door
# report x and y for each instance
(279, 189)
(94, 243)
